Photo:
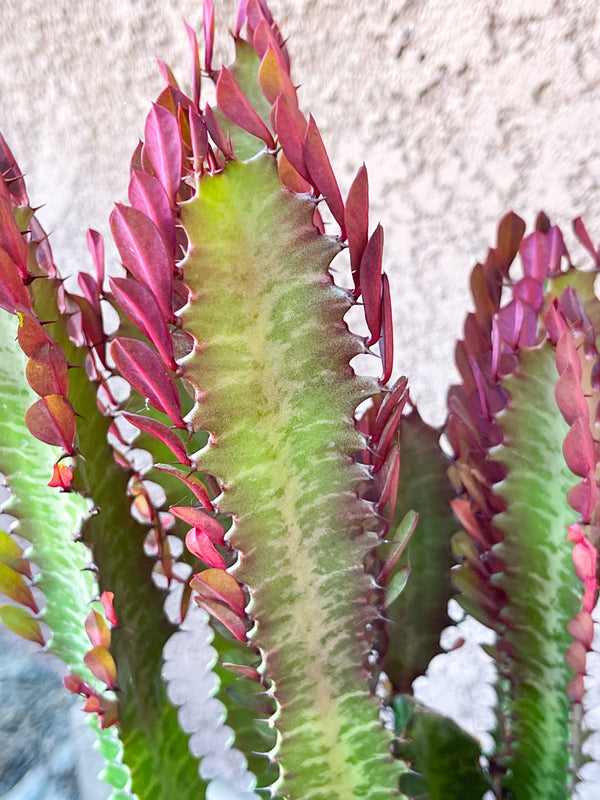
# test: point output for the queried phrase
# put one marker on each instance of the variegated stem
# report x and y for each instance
(277, 394)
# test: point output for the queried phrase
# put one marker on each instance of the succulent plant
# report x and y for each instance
(217, 450)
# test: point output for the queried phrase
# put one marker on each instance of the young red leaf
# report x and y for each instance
(510, 232)
(193, 483)
(290, 177)
(62, 477)
(102, 665)
(273, 79)
(12, 555)
(235, 106)
(242, 13)
(193, 41)
(11, 238)
(52, 420)
(144, 253)
(290, 127)
(386, 341)
(97, 629)
(141, 308)
(225, 615)
(579, 450)
(161, 432)
(146, 193)
(106, 598)
(357, 222)
(96, 247)
(208, 21)
(535, 255)
(397, 397)
(14, 585)
(370, 283)
(200, 545)
(264, 37)
(139, 364)
(217, 584)
(21, 622)
(167, 73)
(10, 171)
(321, 173)
(47, 370)
(584, 237)
(31, 333)
(217, 134)
(13, 293)
(163, 148)
(200, 520)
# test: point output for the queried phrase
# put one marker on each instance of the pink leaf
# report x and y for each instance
(578, 449)
(193, 40)
(319, 167)
(141, 308)
(143, 368)
(510, 232)
(161, 432)
(199, 139)
(144, 253)
(584, 237)
(208, 19)
(219, 585)
(200, 545)
(97, 630)
(193, 483)
(96, 248)
(217, 134)
(370, 283)
(535, 255)
(146, 193)
(235, 106)
(62, 477)
(163, 148)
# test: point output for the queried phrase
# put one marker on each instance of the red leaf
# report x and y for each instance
(11, 172)
(52, 420)
(357, 222)
(290, 127)
(240, 18)
(535, 255)
(11, 238)
(102, 665)
(13, 293)
(578, 449)
(163, 148)
(216, 133)
(389, 490)
(510, 232)
(162, 433)
(217, 584)
(193, 483)
(146, 193)
(235, 106)
(139, 364)
(386, 341)
(193, 40)
(370, 283)
(62, 477)
(106, 598)
(225, 615)
(321, 173)
(208, 19)
(47, 370)
(273, 79)
(584, 237)
(96, 248)
(141, 308)
(290, 177)
(201, 520)
(167, 73)
(200, 545)
(393, 399)
(97, 630)
(570, 398)
(199, 139)
(31, 333)
(265, 36)
(144, 253)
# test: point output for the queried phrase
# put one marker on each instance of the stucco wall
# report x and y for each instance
(461, 109)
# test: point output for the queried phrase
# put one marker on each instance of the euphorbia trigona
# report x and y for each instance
(299, 533)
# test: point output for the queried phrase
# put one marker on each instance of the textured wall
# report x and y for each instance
(461, 109)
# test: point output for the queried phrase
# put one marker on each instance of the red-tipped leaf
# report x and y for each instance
(163, 148)
(234, 105)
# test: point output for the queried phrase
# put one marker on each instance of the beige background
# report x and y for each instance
(461, 109)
